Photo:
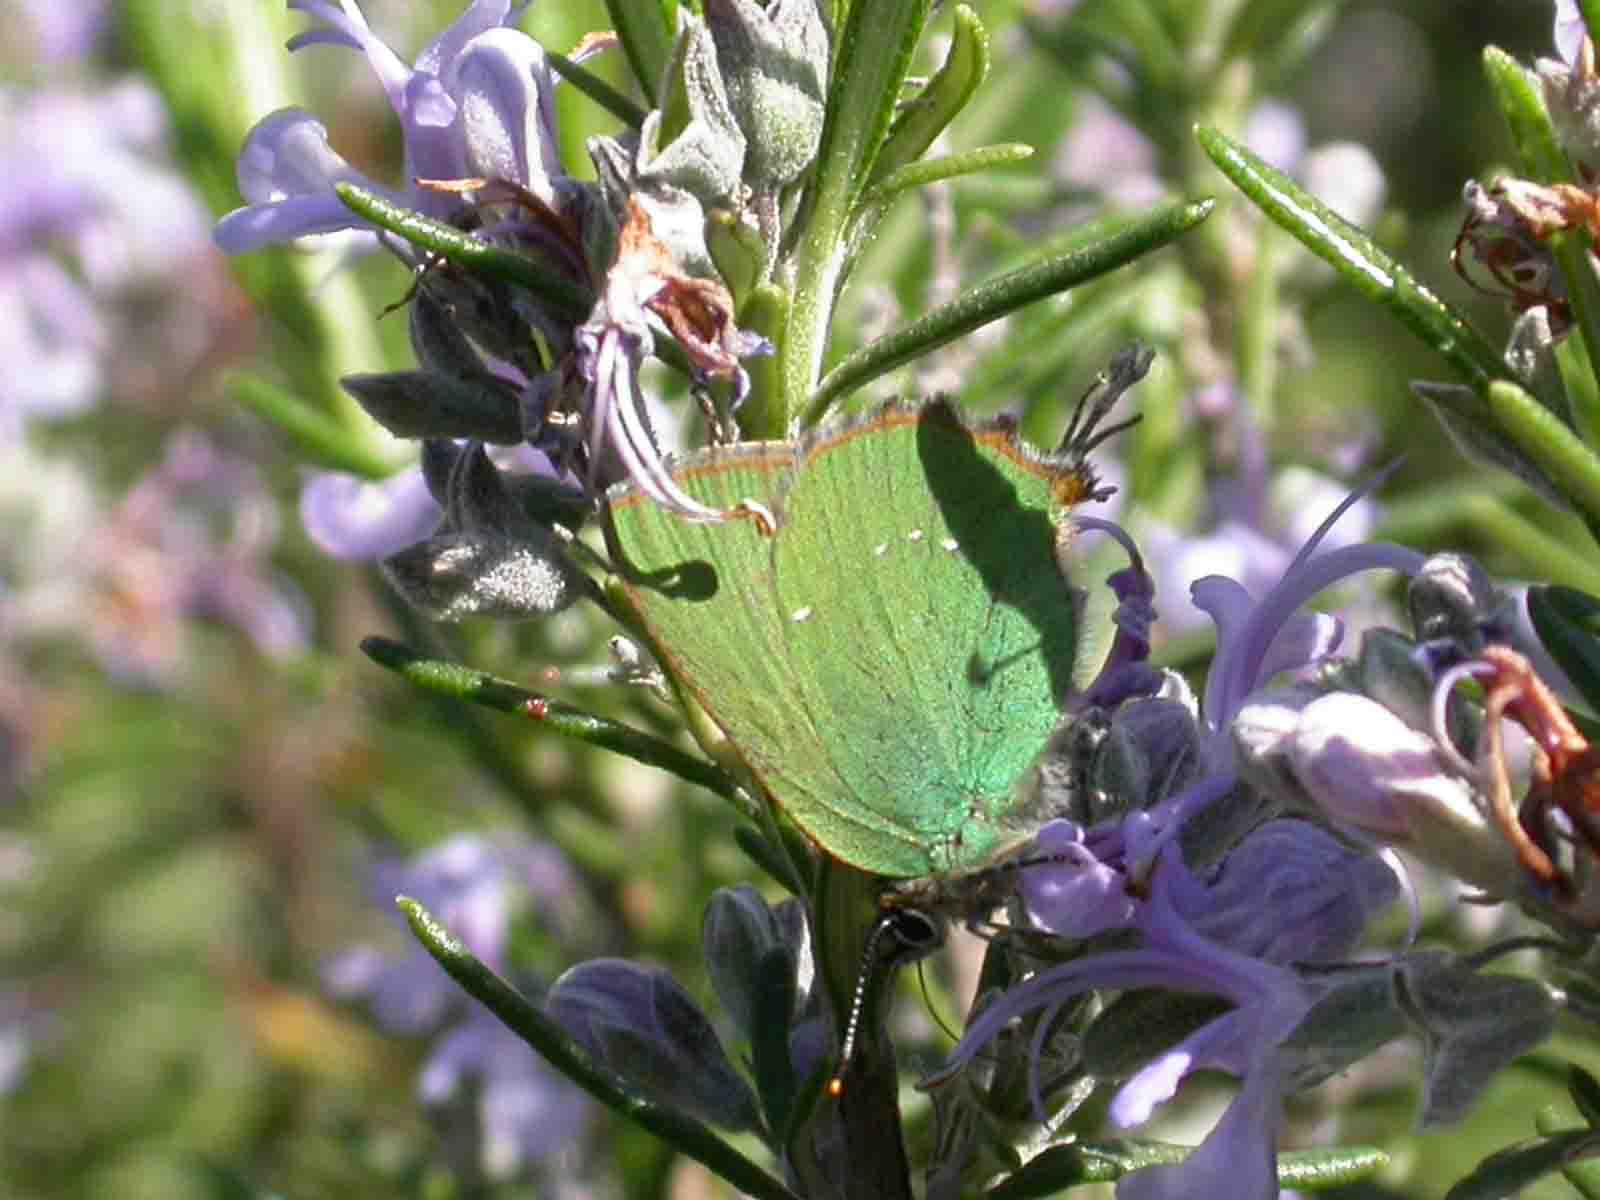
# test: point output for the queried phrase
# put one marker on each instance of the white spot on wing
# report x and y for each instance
(951, 545)
(801, 614)
(916, 535)
(880, 549)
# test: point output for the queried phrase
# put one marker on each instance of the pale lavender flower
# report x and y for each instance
(88, 177)
(1209, 933)
(476, 103)
(192, 538)
(613, 344)
(1106, 153)
(1289, 893)
(362, 520)
(526, 1112)
(475, 886)
(1276, 132)
(1257, 524)
(1569, 30)
(64, 32)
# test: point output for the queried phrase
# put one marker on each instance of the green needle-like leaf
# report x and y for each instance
(949, 166)
(994, 299)
(1065, 1166)
(1585, 1089)
(1366, 266)
(1568, 623)
(317, 436)
(556, 1046)
(1539, 152)
(945, 95)
(464, 250)
(1337, 1166)
(479, 687)
(1506, 1173)
(597, 89)
(647, 30)
(1550, 443)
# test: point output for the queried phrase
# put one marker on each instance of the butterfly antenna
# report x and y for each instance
(858, 1001)
(916, 934)
(1083, 433)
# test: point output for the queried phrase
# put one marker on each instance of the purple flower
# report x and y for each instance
(1267, 1002)
(614, 343)
(475, 887)
(191, 539)
(1343, 175)
(1289, 893)
(359, 520)
(1106, 152)
(1211, 932)
(1569, 30)
(87, 175)
(476, 103)
(525, 1111)
(65, 33)
(1259, 521)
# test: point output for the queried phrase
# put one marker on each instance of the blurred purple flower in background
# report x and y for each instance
(92, 214)
(191, 539)
(1104, 152)
(64, 30)
(1259, 520)
(476, 887)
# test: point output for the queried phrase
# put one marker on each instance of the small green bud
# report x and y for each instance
(692, 141)
(775, 66)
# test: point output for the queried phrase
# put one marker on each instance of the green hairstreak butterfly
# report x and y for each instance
(890, 656)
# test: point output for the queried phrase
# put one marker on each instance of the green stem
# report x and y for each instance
(874, 54)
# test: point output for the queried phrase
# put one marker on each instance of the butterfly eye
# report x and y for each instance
(915, 933)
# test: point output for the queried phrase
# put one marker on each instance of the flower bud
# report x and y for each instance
(740, 933)
(641, 1023)
(692, 141)
(775, 66)
(1366, 767)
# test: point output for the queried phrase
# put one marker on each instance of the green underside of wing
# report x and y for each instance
(892, 661)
